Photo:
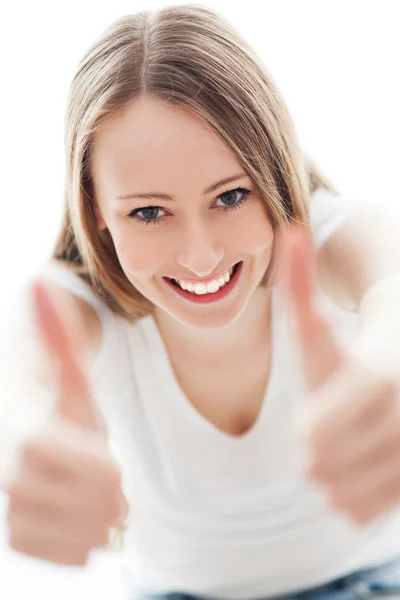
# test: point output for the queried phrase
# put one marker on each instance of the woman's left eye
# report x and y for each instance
(230, 198)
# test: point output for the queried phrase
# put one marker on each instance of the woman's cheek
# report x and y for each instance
(252, 235)
(142, 254)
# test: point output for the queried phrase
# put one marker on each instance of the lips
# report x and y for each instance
(205, 281)
(210, 297)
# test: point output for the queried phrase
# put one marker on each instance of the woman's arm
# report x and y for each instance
(87, 314)
(359, 268)
(362, 253)
(28, 373)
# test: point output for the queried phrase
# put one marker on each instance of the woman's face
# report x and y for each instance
(199, 228)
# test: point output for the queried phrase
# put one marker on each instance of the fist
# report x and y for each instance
(351, 426)
(66, 493)
(350, 420)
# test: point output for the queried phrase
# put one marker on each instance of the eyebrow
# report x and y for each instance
(165, 197)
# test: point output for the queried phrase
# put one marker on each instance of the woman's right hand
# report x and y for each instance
(66, 493)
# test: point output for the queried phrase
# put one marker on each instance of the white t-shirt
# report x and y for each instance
(214, 514)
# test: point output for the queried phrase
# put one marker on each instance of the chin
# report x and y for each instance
(217, 314)
(214, 320)
(207, 316)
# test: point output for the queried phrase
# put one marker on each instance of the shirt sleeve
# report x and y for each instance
(327, 212)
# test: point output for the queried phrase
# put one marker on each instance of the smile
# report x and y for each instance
(210, 291)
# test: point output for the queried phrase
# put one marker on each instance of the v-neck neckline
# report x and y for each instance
(177, 395)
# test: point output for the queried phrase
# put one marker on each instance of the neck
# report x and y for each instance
(249, 331)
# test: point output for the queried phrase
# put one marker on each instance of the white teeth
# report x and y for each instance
(200, 288)
(206, 288)
(213, 286)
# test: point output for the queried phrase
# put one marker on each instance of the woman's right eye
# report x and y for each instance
(148, 215)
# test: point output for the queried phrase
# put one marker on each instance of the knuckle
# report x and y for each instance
(17, 502)
(101, 538)
(336, 498)
(16, 490)
(314, 467)
(315, 435)
(362, 514)
(391, 488)
(386, 395)
(50, 549)
(112, 510)
(60, 554)
(115, 489)
(37, 452)
(318, 471)
(22, 498)
(30, 452)
(319, 466)
(17, 540)
(11, 522)
(111, 485)
(396, 422)
(113, 474)
(390, 386)
(81, 559)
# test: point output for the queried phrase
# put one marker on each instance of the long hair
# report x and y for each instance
(190, 56)
(186, 55)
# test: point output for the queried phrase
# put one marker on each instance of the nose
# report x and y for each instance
(200, 254)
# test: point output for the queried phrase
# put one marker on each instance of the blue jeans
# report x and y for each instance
(378, 582)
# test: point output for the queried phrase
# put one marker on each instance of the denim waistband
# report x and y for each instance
(381, 581)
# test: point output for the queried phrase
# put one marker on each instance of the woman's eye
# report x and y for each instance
(148, 215)
(151, 215)
(230, 198)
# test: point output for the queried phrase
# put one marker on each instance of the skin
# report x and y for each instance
(225, 346)
(66, 493)
(159, 148)
(350, 418)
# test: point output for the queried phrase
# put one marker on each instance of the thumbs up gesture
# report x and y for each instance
(351, 419)
(66, 493)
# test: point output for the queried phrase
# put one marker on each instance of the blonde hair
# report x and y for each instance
(186, 55)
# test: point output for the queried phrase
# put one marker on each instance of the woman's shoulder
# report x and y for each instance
(67, 287)
(328, 210)
(107, 331)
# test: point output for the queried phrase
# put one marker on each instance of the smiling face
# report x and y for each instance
(197, 234)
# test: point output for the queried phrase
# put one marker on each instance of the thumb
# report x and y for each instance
(321, 354)
(63, 333)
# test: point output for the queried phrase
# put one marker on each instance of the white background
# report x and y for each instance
(336, 63)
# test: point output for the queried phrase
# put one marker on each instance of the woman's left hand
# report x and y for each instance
(351, 419)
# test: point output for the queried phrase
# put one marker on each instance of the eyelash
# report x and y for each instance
(133, 215)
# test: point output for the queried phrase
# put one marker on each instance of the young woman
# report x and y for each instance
(219, 327)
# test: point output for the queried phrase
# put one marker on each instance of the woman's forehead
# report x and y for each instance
(151, 141)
